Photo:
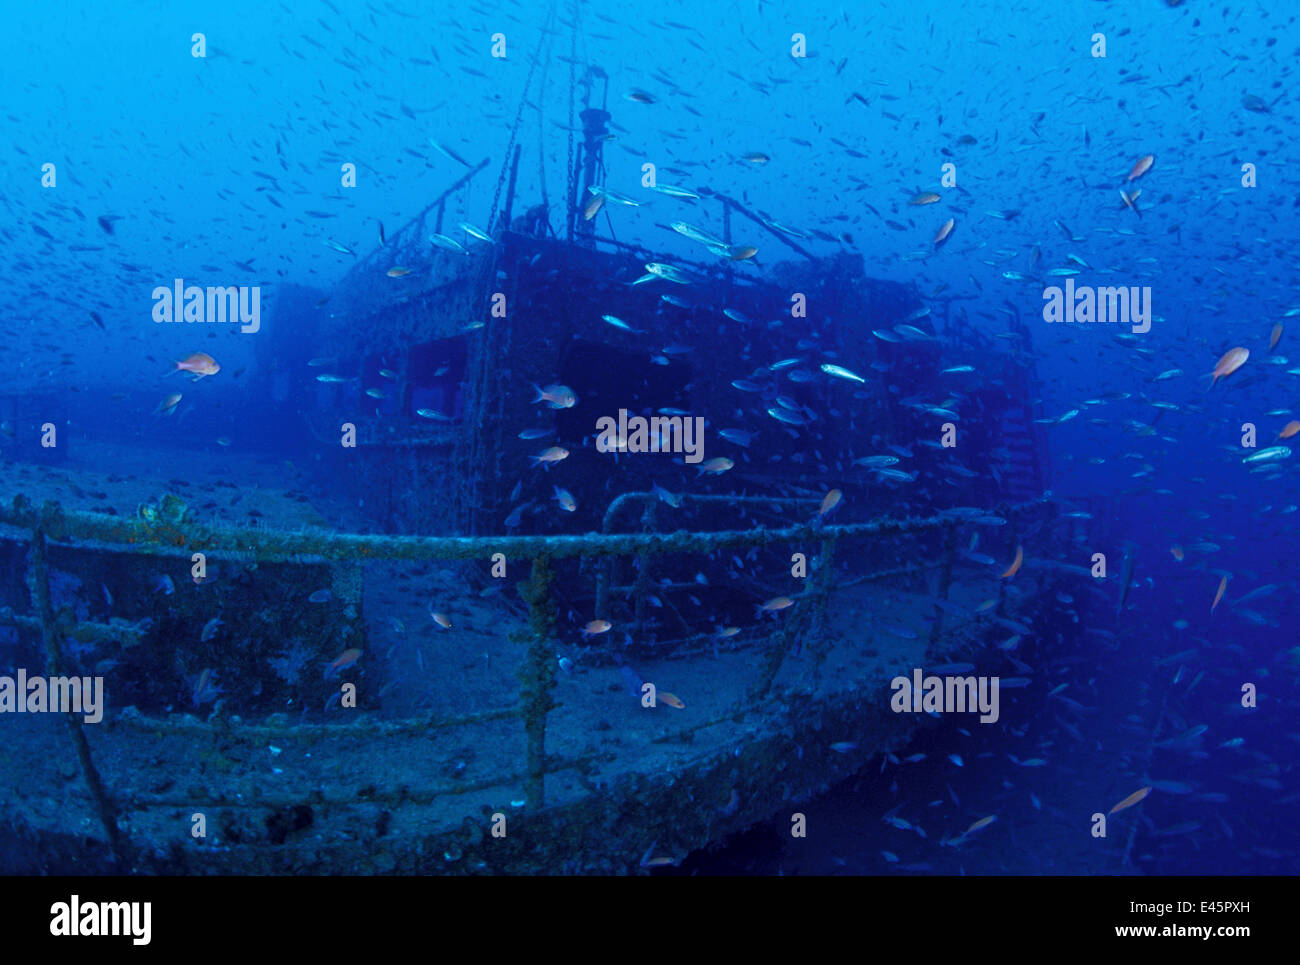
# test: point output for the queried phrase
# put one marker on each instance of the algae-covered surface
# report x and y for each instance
(410, 754)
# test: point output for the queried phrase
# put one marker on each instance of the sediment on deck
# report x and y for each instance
(513, 711)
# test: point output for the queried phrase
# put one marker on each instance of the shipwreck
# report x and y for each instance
(510, 736)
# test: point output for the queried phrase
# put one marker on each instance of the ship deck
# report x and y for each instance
(439, 743)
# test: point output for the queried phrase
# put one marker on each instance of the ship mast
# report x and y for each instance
(591, 157)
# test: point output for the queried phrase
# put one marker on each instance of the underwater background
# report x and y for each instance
(932, 168)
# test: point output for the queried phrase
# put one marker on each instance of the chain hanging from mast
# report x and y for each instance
(572, 195)
(541, 136)
(538, 56)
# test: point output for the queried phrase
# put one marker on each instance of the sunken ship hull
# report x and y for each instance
(415, 686)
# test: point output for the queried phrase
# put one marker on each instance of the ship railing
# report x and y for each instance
(159, 537)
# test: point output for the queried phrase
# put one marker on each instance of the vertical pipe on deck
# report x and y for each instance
(643, 569)
(945, 581)
(803, 618)
(38, 582)
(775, 655)
(819, 644)
(537, 678)
(606, 571)
(604, 580)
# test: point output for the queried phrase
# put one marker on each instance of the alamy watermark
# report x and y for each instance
(946, 695)
(235, 303)
(671, 433)
(52, 695)
(130, 919)
(1126, 306)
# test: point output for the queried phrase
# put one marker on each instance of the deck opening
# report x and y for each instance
(435, 372)
(607, 379)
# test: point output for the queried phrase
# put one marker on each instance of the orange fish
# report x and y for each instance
(1132, 799)
(398, 272)
(925, 197)
(741, 252)
(1177, 551)
(672, 700)
(1290, 429)
(1232, 360)
(1275, 336)
(775, 604)
(346, 659)
(593, 206)
(1223, 585)
(981, 823)
(945, 230)
(169, 404)
(1141, 167)
(198, 364)
(441, 619)
(596, 627)
(830, 501)
(1014, 568)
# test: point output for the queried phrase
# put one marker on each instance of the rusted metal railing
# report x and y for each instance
(605, 576)
(38, 579)
(160, 537)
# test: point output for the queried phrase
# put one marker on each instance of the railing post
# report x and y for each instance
(604, 579)
(793, 622)
(822, 579)
(537, 677)
(945, 581)
(643, 570)
(605, 568)
(38, 582)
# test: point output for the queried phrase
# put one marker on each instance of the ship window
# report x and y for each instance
(435, 373)
(389, 401)
(607, 379)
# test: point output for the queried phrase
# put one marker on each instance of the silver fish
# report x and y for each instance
(1271, 454)
(842, 373)
(668, 273)
(786, 416)
(695, 234)
(451, 244)
(474, 232)
(619, 323)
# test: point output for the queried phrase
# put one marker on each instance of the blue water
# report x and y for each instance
(129, 161)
